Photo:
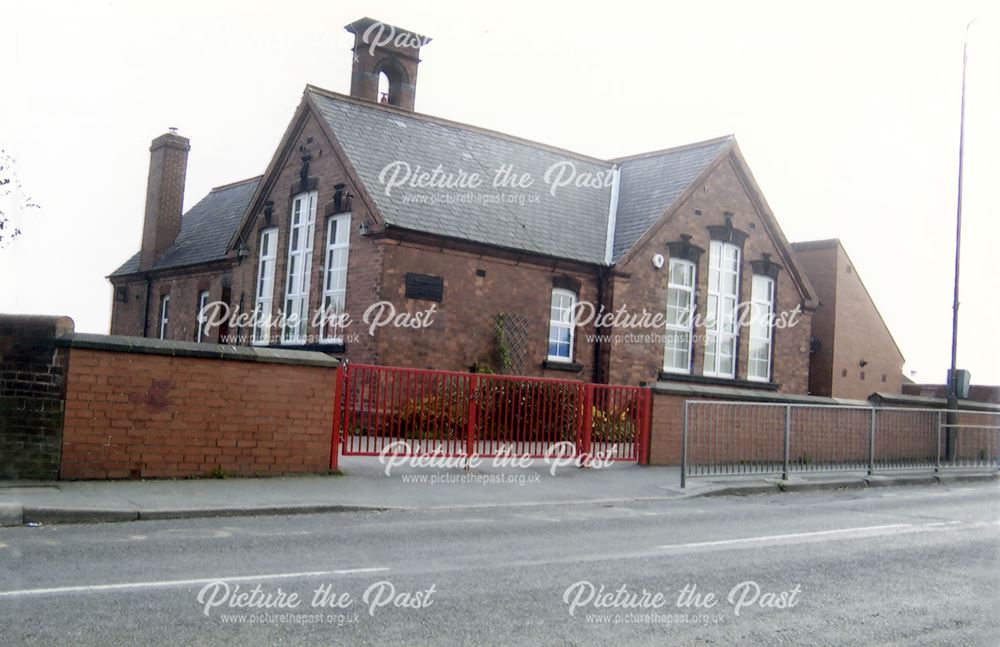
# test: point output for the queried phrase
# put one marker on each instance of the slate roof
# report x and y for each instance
(205, 228)
(651, 182)
(571, 224)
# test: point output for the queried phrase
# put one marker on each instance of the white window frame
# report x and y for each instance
(164, 315)
(683, 324)
(201, 318)
(338, 239)
(721, 321)
(762, 294)
(264, 295)
(299, 270)
(564, 320)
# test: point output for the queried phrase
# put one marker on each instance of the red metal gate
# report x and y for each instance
(445, 413)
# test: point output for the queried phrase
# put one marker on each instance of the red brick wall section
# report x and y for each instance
(364, 260)
(849, 328)
(861, 335)
(463, 332)
(739, 434)
(127, 307)
(32, 393)
(138, 415)
(820, 265)
(184, 290)
(642, 286)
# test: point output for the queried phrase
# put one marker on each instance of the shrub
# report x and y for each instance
(434, 417)
(613, 425)
(535, 411)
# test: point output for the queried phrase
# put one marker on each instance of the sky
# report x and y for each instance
(848, 114)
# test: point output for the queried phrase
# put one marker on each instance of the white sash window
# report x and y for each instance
(680, 307)
(265, 285)
(720, 320)
(561, 325)
(202, 319)
(338, 234)
(164, 315)
(761, 315)
(300, 246)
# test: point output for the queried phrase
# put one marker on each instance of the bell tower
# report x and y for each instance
(388, 56)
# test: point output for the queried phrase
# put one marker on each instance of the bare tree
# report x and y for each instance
(13, 197)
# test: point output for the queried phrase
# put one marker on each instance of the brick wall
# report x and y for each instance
(639, 285)
(849, 328)
(861, 335)
(132, 311)
(237, 278)
(820, 265)
(753, 432)
(364, 260)
(144, 408)
(128, 303)
(32, 388)
(476, 289)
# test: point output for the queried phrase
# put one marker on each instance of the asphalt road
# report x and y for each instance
(905, 566)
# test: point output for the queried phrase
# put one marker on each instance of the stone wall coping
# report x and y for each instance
(60, 325)
(147, 346)
(937, 403)
(695, 391)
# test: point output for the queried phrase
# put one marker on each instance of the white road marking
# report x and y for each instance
(264, 533)
(539, 517)
(94, 588)
(941, 523)
(196, 533)
(794, 535)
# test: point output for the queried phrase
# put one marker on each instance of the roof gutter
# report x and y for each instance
(609, 243)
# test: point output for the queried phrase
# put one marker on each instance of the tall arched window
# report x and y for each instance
(761, 316)
(721, 324)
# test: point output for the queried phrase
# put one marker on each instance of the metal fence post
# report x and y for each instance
(588, 424)
(788, 443)
(470, 423)
(684, 446)
(646, 429)
(338, 411)
(937, 458)
(997, 446)
(871, 445)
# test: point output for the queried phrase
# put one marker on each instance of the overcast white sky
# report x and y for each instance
(847, 114)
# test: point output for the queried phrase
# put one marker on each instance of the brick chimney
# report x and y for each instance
(164, 196)
(381, 48)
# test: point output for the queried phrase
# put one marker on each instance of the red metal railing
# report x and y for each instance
(446, 413)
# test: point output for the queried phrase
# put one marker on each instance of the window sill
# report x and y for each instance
(665, 376)
(570, 367)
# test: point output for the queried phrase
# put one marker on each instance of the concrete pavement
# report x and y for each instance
(364, 485)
